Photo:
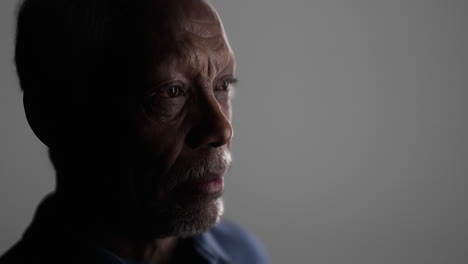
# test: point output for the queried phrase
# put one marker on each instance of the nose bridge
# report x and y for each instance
(213, 127)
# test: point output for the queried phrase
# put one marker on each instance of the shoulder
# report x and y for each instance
(21, 253)
(240, 245)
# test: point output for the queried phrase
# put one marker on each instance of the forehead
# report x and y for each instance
(192, 37)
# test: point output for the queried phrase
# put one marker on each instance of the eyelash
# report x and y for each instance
(179, 88)
(183, 92)
(229, 81)
(167, 89)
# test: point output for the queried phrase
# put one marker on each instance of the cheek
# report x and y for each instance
(162, 143)
(167, 111)
(162, 140)
(162, 127)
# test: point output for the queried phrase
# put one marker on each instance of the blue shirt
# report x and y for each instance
(225, 243)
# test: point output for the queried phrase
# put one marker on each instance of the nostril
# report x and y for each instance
(213, 132)
(223, 137)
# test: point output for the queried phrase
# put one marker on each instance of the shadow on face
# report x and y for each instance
(137, 112)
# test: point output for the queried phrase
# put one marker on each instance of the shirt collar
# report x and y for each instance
(207, 246)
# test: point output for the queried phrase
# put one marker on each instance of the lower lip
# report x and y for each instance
(210, 187)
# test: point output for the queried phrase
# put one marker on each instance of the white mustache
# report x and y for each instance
(217, 162)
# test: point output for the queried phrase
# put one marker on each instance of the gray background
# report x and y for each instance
(350, 130)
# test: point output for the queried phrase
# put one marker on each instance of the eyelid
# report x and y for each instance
(231, 79)
(228, 78)
(167, 85)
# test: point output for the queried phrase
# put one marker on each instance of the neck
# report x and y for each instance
(155, 251)
(125, 244)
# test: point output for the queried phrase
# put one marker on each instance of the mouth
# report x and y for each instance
(210, 186)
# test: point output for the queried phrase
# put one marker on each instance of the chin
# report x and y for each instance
(182, 219)
(196, 218)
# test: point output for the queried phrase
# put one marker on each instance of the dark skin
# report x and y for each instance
(189, 96)
(176, 137)
(181, 133)
(187, 115)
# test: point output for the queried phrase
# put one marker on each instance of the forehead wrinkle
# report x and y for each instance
(202, 30)
(198, 39)
(204, 62)
(214, 43)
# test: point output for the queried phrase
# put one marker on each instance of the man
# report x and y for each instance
(132, 99)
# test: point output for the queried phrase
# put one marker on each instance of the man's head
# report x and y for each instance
(133, 100)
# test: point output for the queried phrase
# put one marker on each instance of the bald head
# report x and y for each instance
(190, 34)
(198, 18)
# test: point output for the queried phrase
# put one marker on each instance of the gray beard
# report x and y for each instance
(182, 220)
(196, 220)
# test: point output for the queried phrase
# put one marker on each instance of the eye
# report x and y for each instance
(224, 84)
(166, 100)
(172, 91)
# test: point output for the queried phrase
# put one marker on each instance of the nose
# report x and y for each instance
(212, 129)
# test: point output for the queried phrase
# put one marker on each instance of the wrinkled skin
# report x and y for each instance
(123, 156)
(185, 121)
(183, 126)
